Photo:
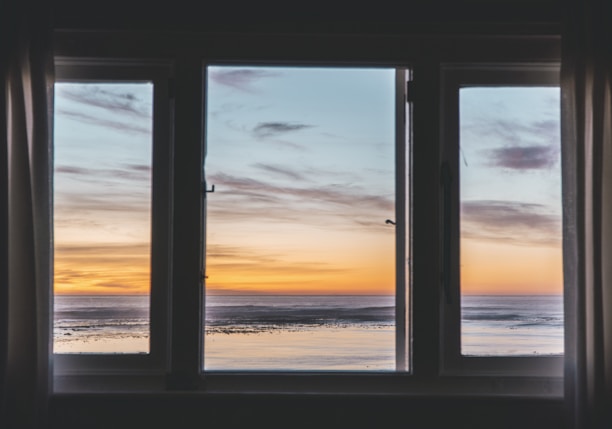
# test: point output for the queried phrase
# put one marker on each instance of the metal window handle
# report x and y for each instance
(446, 180)
(212, 189)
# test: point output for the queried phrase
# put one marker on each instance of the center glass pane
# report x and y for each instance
(300, 263)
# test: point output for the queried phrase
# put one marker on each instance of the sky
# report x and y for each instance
(303, 168)
(102, 183)
(510, 190)
(302, 160)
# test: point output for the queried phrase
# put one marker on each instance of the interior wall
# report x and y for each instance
(314, 16)
(303, 411)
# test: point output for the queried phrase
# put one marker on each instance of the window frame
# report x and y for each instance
(425, 55)
(158, 73)
(455, 77)
(402, 193)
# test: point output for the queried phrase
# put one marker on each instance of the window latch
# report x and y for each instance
(212, 189)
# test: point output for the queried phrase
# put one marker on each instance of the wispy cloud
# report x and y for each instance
(524, 157)
(113, 100)
(517, 132)
(338, 195)
(102, 268)
(524, 145)
(241, 79)
(516, 222)
(272, 129)
(105, 204)
(277, 170)
(130, 127)
(224, 258)
(244, 199)
(126, 171)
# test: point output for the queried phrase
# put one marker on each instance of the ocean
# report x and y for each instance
(327, 333)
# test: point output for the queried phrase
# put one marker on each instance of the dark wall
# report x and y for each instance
(304, 411)
(312, 16)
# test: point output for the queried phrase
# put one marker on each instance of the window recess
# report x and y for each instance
(503, 287)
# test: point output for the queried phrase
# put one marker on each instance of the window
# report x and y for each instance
(103, 134)
(110, 215)
(313, 179)
(503, 152)
(300, 246)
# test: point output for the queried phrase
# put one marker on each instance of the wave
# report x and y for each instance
(254, 319)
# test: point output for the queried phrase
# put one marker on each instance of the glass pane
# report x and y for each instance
(102, 217)
(299, 259)
(511, 263)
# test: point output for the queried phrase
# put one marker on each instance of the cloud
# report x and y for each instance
(241, 79)
(525, 145)
(516, 222)
(243, 199)
(339, 195)
(102, 268)
(136, 172)
(115, 101)
(103, 207)
(117, 250)
(524, 157)
(518, 132)
(130, 127)
(270, 129)
(279, 171)
(224, 258)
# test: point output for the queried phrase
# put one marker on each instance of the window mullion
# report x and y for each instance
(186, 293)
(401, 174)
(426, 239)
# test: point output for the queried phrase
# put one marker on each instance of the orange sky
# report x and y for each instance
(500, 268)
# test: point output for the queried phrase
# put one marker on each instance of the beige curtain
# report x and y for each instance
(587, 157)
(26, 219)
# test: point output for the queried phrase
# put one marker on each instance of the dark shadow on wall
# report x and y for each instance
(301, 411)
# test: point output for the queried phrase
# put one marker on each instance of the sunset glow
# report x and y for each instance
(510, 191)
(302, 160)
(102, 198)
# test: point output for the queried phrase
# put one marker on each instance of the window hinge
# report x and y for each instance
(410, 91)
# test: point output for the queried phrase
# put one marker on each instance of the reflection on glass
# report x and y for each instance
(102, 217)
(299, 260)
(511, 265)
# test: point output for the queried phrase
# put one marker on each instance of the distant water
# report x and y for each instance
(101, 324)
(262, 332)
(512, 325)
(262, 313)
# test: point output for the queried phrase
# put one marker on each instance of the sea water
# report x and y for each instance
(336, 333)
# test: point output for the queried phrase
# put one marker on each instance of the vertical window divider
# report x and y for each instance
(186, 291)
(401, 281)
(426, 237)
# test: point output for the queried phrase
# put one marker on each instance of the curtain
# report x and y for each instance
(26, 249)
(586, 77)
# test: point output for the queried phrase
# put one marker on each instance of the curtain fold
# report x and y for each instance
(587, 156)
(27, 250)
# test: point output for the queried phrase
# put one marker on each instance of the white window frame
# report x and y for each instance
(180, 364)
(158, 73)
